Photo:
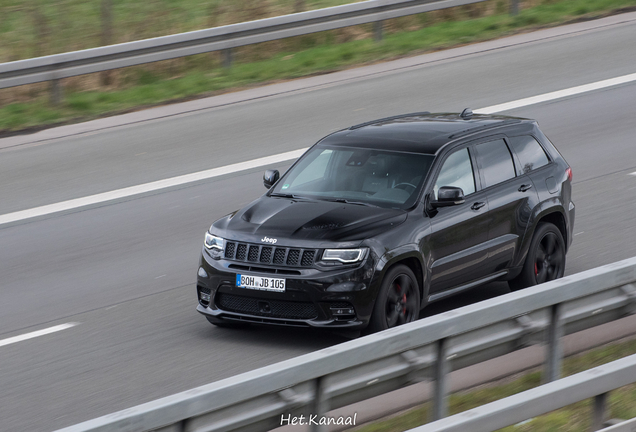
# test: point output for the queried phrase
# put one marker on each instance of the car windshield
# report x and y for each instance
(356, 175)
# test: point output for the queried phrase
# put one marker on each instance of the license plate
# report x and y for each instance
(260, 283)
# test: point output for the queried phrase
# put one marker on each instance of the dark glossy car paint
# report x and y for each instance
(449, 249)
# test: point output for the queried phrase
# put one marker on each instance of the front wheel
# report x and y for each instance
(398, 301)
(545, 260)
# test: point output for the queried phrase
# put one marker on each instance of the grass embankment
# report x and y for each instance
(201, 75)
(573, 418)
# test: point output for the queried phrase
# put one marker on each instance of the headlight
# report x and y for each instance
(344, 255)
(213, 242)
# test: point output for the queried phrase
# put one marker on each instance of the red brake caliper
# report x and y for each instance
(536, 269)
(404, 303)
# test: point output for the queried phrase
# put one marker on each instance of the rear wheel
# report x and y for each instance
(545, 260)
(398, 301)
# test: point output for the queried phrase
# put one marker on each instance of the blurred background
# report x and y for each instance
(43, 27)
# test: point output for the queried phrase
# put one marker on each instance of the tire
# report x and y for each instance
(398, 300)
(545, 260)
(226, 324)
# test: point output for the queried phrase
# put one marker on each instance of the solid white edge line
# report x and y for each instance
(149, 187)
(37, 333)
(255, 163)
(557, 94)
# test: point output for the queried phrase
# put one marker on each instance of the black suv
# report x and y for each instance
(376, 221)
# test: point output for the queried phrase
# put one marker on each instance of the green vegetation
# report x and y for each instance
(91, 96)
(573, 418)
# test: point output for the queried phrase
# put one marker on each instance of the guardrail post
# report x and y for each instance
(378, 27)
(440, 399)
(227, 58)
(320, 405)
(553, 356)
(599, 411)
(56, 92)
(107, 34)
(514, 7)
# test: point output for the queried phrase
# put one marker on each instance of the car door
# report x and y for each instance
(511, 197)
(459, 232)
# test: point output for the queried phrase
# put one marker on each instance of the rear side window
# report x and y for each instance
(457, 171)
(495, 162)
(530, 153)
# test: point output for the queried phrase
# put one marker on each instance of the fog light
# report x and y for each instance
(205, 297)
(336, 311)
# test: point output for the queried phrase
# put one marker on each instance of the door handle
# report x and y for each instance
(478, 205)
(524, 187)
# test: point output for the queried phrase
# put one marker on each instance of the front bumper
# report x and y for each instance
(333, 297)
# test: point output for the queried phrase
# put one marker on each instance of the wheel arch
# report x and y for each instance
(413, 261)
(557, 219)
(553, 215)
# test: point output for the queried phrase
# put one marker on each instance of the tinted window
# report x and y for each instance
(457, 171)
(495, 162)
(530, 152)
(379, 177)
(315, 169)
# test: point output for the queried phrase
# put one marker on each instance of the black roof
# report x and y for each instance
(417, 132)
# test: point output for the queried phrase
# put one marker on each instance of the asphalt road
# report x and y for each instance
(125, 271)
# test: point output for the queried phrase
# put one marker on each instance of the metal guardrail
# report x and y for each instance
(593, 383)
(55, 67)
(427, 349)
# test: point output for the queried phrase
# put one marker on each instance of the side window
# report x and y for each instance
(495, 162)
(457, 171)
(531, 154)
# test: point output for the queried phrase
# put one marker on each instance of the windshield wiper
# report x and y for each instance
(283, 195)
(342, 200)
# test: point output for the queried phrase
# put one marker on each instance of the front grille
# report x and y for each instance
(266, 254)
(241, 252)
(266, 308)
(308, 258)
(253, 255)
(292, 257)
(279, 256)
(229, 250)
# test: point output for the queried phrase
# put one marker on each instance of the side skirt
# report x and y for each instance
(456, 290)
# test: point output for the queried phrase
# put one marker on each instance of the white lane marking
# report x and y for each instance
(148, 187)
(634, 173)
(557, 94)
(37, 333)
(282, 157)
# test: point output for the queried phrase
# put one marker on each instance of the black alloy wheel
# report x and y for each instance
(549, 259)
(398, 301)
(545, 260)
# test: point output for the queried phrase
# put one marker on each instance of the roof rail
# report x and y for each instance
(358, 126)
(473, 130)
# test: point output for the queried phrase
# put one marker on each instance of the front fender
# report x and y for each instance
(408, 254)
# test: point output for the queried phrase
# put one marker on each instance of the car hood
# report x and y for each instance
(283, 218)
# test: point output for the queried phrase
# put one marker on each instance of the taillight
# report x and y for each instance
(568, 172)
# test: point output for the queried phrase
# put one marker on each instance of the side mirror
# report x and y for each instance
(270, 177)
(448, 196)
